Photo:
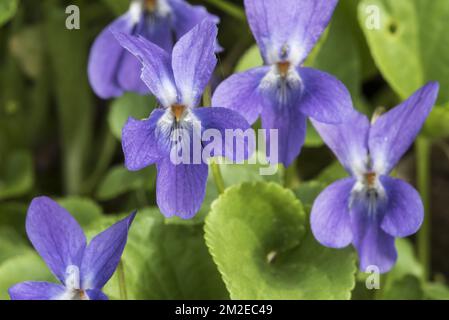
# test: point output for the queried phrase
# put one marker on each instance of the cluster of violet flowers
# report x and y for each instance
(167, 48)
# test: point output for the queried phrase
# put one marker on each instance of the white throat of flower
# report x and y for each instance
(136, 10)
(177, 114)
(72, 284)
(177, 121)
(162, 9)
(282, 80)
(369, 190)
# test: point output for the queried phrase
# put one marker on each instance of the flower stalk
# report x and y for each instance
(121, 281)
(218, 178)
(423, 152)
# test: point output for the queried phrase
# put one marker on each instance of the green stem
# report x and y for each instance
(229, 8)
(121, 281)
(218, 178)
(423, 152)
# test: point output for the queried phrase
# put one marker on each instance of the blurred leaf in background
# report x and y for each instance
(8, 9)
(16, 174)
(411, 48)
(68, 58)
(119, 181)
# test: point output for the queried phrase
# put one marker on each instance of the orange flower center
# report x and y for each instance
(370, 178)
(82, 295)
(178, 111)
(151, 5)
(283, 68)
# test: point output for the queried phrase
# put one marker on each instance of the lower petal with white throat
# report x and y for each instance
(368, 204)
(282, 85)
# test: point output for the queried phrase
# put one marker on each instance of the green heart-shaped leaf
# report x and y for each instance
(257, 235)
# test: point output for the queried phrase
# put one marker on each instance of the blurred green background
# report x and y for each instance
(58, 139)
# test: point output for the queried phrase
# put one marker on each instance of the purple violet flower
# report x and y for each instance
(283, 92)
(82, 269)
(178, 83)
(370, 208)
(112, 70)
